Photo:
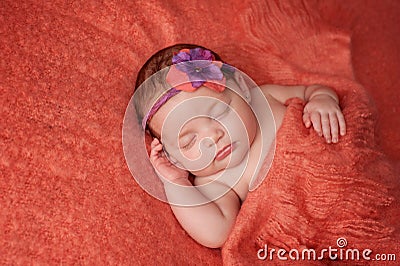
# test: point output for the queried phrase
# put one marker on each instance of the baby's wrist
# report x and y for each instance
(319, 91)
(324, 96)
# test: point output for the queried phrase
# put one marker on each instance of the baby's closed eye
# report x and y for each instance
(187, 141)
(220, 110)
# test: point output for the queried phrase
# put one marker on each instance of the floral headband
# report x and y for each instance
(191, 69)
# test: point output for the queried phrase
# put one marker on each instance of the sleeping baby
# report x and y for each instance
(211, 129)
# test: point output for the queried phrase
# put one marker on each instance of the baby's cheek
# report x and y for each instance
(198, 157)
(236, 125)
(250, 123)
(193, 154)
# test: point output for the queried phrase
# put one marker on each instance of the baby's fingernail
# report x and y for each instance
(328, 140)
(334, 140)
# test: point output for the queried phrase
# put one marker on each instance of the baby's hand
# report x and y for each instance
(324, 113)
(164, 168)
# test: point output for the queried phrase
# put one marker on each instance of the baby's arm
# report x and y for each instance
(322, 109)
(210, 223)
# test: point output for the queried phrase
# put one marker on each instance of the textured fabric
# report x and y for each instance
(67, 74)
(316, 193)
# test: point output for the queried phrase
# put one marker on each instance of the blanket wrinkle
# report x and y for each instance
(313, 207)
(301, 212)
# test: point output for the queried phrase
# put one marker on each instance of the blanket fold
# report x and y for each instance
(316, 194)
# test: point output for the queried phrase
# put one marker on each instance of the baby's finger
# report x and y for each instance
(155, 151)
(316, 121)
(342, 123)
(334, 127)
(326, 127)
(158, 148)
(153, 154)
(306, 119)
(154, 142)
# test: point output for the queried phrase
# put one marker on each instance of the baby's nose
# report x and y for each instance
(215, 134)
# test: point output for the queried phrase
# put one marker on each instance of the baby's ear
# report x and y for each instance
(244, 89)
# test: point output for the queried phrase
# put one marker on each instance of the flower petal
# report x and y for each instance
(212, 72)
(180, 57)
(196, 76)
(193, 66)
(197, 84)
(201, 63)
(228, 69)
(218, 87)
(199, 69)
(200, 54)
(187, 66)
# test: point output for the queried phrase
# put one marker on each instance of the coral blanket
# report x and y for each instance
(67, 72)
(317, 196)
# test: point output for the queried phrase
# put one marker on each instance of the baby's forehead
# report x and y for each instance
(196, 106)
(206, 93)
(196, 103)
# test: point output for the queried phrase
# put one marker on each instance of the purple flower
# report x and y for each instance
(197, 64)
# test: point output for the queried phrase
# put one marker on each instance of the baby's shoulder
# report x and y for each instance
(203, 180)
(215, 189)
(210, 183)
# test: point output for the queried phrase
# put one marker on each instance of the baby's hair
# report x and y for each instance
(152, 86)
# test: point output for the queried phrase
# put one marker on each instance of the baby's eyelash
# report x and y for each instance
(227, 109)
(189, 145)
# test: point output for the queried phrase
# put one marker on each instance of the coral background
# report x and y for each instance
(66, 77)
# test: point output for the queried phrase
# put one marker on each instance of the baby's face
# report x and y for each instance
(205, 131)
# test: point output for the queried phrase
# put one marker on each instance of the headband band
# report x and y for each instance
(160, 102)
(191, 69)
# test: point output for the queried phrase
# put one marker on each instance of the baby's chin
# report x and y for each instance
(217, 168)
